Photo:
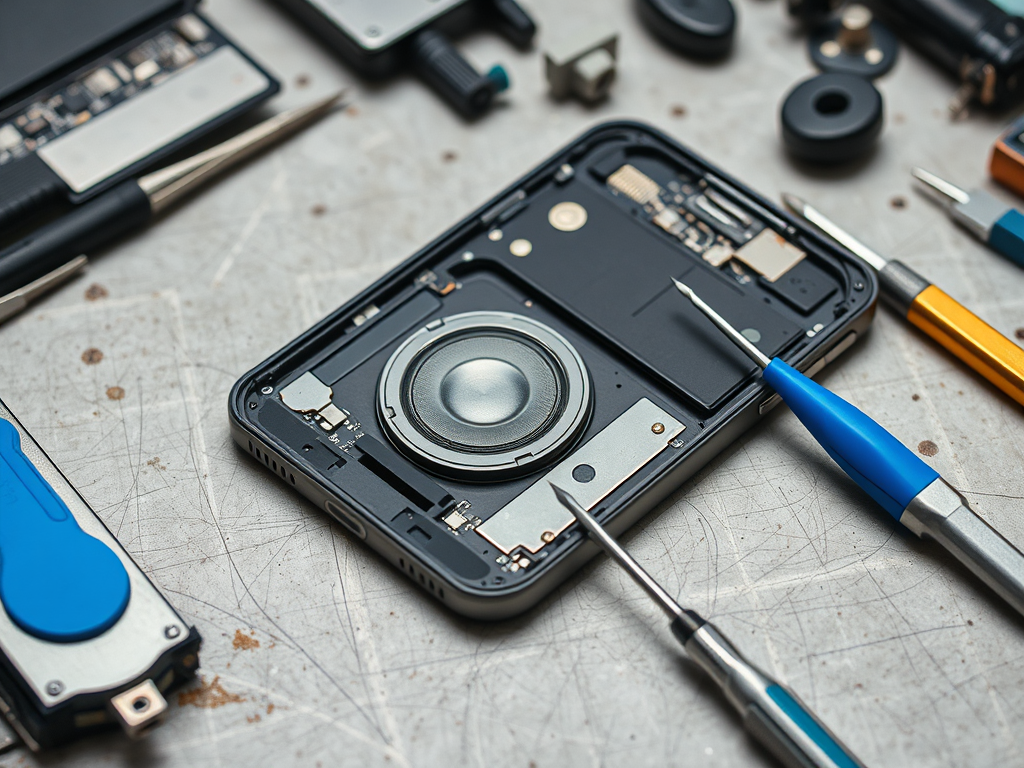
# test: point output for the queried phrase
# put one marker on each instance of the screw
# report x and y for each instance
(858, 286)
(55, 687)
(831, 49)
(520, 247)
(547, 537)
(172, 631)
(267, 390)
(657, 427)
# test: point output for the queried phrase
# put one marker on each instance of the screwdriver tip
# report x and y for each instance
(683, 288)
(564, 498)
(794, 203)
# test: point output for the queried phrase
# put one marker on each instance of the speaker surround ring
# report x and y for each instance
(484, 395)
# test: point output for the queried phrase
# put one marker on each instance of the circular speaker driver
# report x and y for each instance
(484, 395)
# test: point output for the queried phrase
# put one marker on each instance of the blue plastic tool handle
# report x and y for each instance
(805, 721)
(57, 582)
(879, 463)
(1007, 236)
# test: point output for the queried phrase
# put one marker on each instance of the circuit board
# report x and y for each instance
(114, 80)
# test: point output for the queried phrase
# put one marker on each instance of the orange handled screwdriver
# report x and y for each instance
(932, 310)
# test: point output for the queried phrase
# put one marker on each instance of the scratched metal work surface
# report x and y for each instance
(317, 653)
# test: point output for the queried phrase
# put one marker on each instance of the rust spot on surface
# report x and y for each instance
(915, 398)
(899, 202)
(352, 111)
(449, 156)
(677, 110)
(270, 707)
(91, 356)
(155, 462)
(303, 81)
(1019, 333)
(115, 393)
(253, 719)
(318, 209)
(208, 695)
(244, 642)
(96, 291)
(927, 448)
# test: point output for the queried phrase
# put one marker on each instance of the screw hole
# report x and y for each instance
(832, 103)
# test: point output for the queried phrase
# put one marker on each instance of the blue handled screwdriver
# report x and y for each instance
(907, 488)
(771, 712)
(998, 225)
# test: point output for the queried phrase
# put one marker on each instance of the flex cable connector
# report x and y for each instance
(307, 394)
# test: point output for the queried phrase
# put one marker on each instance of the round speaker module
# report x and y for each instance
(484, 395)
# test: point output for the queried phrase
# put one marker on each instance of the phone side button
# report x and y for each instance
(346, 517)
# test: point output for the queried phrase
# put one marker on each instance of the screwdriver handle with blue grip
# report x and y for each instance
(772, 713)
(880, 464)
(907, 488)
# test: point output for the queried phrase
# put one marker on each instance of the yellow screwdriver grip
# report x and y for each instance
(971, 339)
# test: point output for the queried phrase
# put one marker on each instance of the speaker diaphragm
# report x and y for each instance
(484, 395)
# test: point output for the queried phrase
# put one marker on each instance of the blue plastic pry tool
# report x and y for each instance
(57, 582)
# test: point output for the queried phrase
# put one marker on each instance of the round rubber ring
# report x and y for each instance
(832, 118)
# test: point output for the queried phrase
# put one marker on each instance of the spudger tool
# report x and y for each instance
(37, 258)
(933, 311)
(998, 225)
(771, 712)
(907, 488)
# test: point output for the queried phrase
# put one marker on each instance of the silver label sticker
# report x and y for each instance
(141, 126)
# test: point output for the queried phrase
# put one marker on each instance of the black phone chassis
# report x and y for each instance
(540, 340)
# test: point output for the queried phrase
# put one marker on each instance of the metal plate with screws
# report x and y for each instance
(611, 457)
(378, 25)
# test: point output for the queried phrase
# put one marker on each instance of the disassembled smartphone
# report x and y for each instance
(541, 340)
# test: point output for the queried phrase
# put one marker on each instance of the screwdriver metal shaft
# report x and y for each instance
(771, 712)
(998, 225)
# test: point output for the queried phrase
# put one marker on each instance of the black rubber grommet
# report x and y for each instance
(700, 28)
(832, 118)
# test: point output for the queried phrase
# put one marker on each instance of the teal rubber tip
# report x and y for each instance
(1008, 236)
(499, 77)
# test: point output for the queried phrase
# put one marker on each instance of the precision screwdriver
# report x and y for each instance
(936, 313)
(37, 258)
(990, 220)
(771, 712)
(907, 488)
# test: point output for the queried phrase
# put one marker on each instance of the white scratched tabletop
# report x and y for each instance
(318, 653)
